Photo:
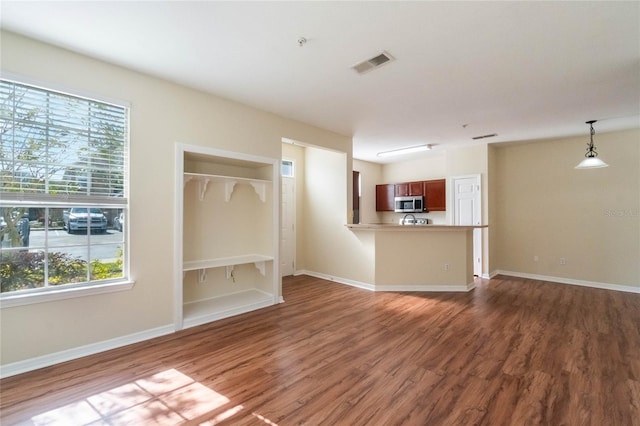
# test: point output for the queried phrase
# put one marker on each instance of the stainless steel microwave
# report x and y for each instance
(409, 204)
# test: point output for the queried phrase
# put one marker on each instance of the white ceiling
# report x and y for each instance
(524, 70)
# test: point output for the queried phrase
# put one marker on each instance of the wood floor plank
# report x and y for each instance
(511, 352)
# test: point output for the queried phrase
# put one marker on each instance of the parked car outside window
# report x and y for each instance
(77, 219)
(118, 222)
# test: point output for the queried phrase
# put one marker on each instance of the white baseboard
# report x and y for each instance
(571, 281)
(429, 288)
(372, 287)
(69, 354)
(346, 281)
(492, 274)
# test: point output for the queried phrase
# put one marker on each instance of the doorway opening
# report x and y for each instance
(356, 196)
(467, 210)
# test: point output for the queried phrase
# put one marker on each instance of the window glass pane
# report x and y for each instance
(74, 180)
(106, 261)
(15, 227)
(115, 219)
(68, 252)
(287, 168)
(84, 219)
(55, 222)
(21, 270)
(67, 266)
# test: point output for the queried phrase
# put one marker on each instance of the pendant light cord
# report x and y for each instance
(591, 150)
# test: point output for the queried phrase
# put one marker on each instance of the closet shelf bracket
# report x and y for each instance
(229, 271)
(261, 267)
(260, 188)
(202, 184)
(228, 189)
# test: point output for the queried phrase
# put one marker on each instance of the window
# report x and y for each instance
(287, 168)
(63, 191)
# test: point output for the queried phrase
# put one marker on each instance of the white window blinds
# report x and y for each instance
(57, 147)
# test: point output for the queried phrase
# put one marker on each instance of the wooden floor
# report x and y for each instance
(511, 352)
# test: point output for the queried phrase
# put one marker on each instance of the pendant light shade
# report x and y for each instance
(591, 160)
(591, 163)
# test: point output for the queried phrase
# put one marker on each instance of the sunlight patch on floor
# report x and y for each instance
(264, 419)
(166, 398)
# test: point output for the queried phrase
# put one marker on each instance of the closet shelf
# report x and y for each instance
(259, 185)
(228, 262)
(204, 311)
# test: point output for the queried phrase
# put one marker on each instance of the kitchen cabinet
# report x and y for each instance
(434, 192)
(229, 235)
(384, 197)
(435, 195)
(409, 189)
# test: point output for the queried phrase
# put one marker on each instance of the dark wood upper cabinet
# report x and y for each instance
(416, 188)
(434, 192)
(409, 189)
(401, 189)
(384, 197)
(435, 195)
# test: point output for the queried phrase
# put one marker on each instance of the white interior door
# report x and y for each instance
(467, 210)
(288, 227)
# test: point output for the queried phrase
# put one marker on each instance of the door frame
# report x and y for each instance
(293, 214)
(478, 246)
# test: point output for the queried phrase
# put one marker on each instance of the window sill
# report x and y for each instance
(11, 300)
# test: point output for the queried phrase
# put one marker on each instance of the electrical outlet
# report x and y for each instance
(446, 266)
(535, 258)
(563, 261)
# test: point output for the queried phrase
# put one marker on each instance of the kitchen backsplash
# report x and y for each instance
(436, 218)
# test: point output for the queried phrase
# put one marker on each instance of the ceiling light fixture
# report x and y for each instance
(591, 160)
(402, 151)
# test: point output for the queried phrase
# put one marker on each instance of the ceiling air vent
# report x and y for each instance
(492, 135)
(375, 62)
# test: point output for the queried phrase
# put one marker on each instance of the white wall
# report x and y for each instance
(330, 249)
(591, 218)
(429, 165)
(162, 113)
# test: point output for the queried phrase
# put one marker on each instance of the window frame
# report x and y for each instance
(293, 168)
(51, 201)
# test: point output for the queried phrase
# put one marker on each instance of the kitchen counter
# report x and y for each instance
(397, 227)
(418, 257)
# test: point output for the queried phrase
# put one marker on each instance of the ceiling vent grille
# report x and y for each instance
(492, 135)
(375, 62)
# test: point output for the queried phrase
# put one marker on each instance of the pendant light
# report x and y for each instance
(591, 160)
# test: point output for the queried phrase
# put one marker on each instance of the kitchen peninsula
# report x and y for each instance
(418, 257)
